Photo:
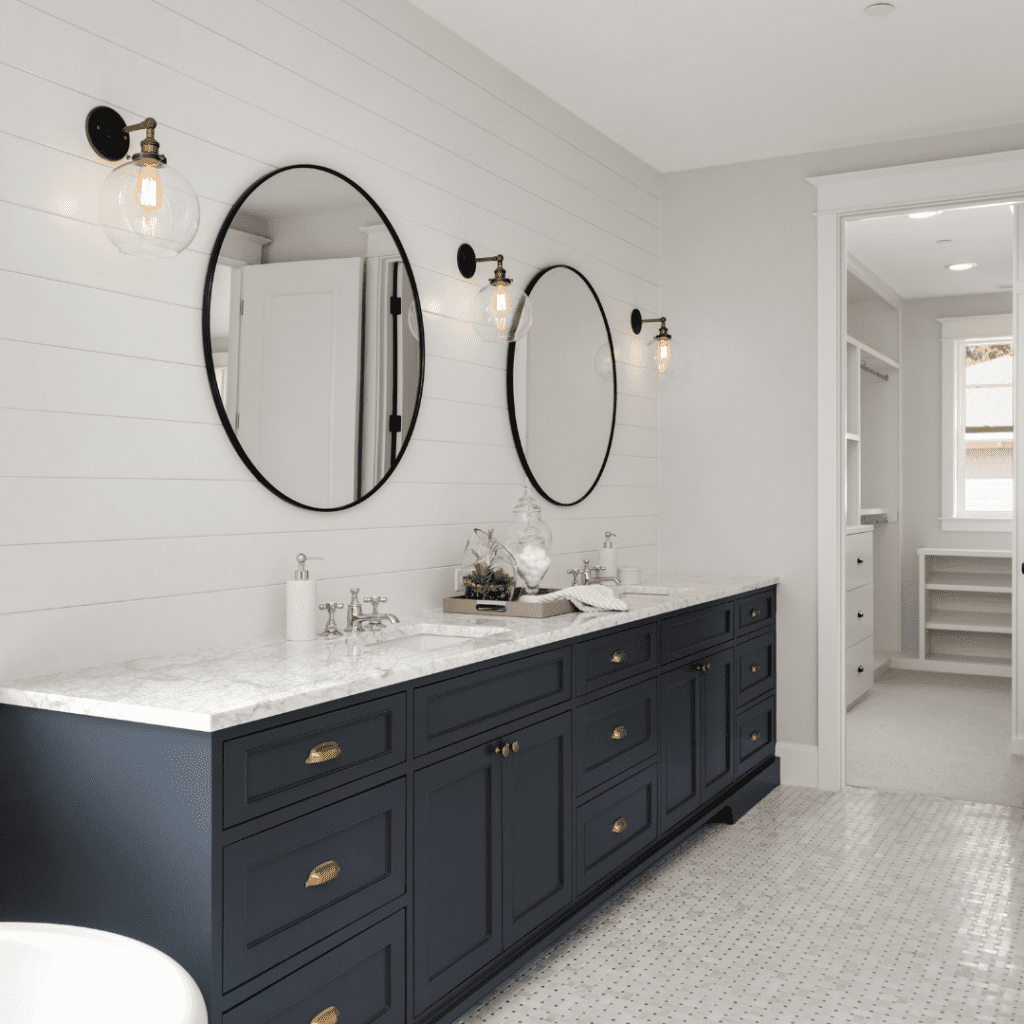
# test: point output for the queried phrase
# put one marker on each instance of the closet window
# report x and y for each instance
(978, 423)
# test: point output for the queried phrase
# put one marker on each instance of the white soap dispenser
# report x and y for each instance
(609, 556)
(300, 603)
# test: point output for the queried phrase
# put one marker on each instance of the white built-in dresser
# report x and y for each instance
(860, 616)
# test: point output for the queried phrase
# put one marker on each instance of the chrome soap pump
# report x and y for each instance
(300, 602)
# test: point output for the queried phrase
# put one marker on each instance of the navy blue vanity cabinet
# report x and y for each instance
(717, 705)
(457, 895)
(536, 800)
(492, 851)
(680, 743)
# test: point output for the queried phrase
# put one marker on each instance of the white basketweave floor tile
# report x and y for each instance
(825, 907)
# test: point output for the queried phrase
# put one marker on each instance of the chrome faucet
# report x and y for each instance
(586, 572)
(355, 617)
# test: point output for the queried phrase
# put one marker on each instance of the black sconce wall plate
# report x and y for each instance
(104, 128)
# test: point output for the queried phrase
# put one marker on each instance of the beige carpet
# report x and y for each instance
(946, 735)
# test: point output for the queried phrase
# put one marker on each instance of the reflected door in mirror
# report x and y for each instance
(313, 337)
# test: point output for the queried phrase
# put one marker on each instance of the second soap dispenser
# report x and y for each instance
(300, 603)
(609, 556)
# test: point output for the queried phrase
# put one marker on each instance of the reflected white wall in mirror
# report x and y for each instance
(563, 406)
(317, 365)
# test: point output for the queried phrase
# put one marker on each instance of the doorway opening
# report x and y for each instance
(929, 503)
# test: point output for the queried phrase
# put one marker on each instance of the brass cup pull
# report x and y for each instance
(620, 825)
(755, 736)
(515, 746)
(619, 732)
(619, 657)
(323, 873)
(753, 614)
(323, 752)
(505, 750)
(329, 1016)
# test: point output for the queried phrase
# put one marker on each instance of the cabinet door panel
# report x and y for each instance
(457, 871)
(680, 744)
(717, 702)
(537, 808)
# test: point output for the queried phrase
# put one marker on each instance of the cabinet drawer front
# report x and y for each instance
(859, 557)
(755, 611)
(755, 733)
(615, 733)
(273, 909)
(619, 656)
(860, 669)
(270, 769)
(466, 705)
(755, 667)
(363, 978)
(860, 614)
(701, 627)
(631, 806)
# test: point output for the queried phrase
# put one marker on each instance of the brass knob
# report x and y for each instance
(323, 873)
(323, 752)
(753, 614)
(329, 1016)
(753, 668)
(755, 736)
(497, 749)
(707, 667)
(620, 825)
(619, 732)
(505, 750)
(515, 746)
(619, 657)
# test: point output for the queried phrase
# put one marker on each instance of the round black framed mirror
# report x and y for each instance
(561, 385)
(313, 337)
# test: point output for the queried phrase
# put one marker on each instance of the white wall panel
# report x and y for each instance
(130, 524)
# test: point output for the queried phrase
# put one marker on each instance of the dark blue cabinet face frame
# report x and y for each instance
(456, 864)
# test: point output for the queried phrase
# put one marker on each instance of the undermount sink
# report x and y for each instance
(421, 636)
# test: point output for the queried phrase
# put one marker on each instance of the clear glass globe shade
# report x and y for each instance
(664, 370)
(148, 209)
(603, 362)
(502, 313)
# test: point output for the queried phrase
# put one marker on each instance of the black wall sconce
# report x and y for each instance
(660, 345)
(500, 313)
(146, 208)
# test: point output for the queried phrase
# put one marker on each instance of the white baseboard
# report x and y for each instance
(799, 764)
(962, 668)
(1016, 745)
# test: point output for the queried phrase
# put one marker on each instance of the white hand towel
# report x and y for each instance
(596, 597)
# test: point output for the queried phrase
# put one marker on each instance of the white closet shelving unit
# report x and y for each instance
(966, 602)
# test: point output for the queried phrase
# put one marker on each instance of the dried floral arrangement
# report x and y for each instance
(488, 569)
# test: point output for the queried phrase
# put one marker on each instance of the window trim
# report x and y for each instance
(957, 331)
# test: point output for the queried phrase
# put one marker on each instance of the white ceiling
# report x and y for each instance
(909, 257)
(695, 83)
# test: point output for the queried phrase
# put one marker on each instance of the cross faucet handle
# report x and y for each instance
(574, 573)
(331, 629)
(376, 601)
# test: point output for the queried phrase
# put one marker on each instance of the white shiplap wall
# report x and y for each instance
(127, 524)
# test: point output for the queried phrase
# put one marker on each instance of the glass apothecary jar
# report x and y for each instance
(528, 538)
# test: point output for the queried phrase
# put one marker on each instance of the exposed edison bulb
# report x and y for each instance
(500, 300)
(149, 192)
(663, 364)
(664, 354)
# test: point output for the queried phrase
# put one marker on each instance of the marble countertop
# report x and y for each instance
(233, 685)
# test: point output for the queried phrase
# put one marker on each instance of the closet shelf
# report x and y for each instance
(968, 659)
(975, 622)
(873, 359)
(971, 582)
(852, 437)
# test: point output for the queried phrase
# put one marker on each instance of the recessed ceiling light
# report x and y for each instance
(879, 10)
(961, 266)
(922, 214)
